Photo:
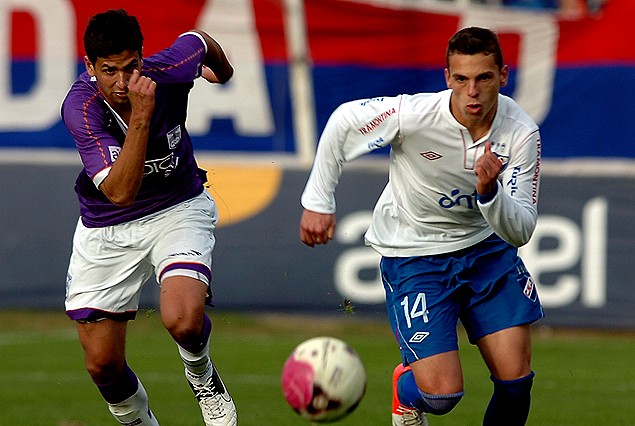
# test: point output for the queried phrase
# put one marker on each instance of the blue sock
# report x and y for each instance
(510, 402)
(410, 395)
(408, 391)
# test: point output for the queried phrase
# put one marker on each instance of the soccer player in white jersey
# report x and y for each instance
(143, 210)
(461, 198)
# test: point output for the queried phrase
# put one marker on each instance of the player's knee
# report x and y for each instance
(440, 404)
(104, 369)
(182, 329)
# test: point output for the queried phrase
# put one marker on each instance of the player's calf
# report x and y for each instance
(437, 404)
(510, 402)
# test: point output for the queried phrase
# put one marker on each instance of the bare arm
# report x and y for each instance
(216, 67)
(124, 179)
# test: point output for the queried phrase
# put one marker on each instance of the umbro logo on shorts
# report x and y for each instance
(419, 336)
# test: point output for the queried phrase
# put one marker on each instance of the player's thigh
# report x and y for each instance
(182, 304)
(421, 307)
(507, 353)
(104, 344)
(502, 292)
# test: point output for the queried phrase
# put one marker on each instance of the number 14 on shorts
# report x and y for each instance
(419, 308)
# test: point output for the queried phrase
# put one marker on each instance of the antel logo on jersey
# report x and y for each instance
(457, 199)
(512, 183)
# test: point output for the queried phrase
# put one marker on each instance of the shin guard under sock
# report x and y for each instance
(510, 402)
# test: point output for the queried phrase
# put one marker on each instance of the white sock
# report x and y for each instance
(134, 410)
(197, 366)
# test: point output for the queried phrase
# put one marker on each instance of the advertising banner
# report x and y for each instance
(580, 254)
(297, 60)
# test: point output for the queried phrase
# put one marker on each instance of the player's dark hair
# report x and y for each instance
(112, 32)
(474, 40)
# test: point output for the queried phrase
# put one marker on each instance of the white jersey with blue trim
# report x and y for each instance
(430, 205)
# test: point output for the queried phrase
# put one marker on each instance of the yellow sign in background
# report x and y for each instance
(241, 192)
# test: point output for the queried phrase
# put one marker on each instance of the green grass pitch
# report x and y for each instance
(582, 378)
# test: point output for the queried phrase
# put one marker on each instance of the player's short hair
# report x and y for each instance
(112, 32)
(474, 40)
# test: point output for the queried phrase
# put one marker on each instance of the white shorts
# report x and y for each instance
(109, 265)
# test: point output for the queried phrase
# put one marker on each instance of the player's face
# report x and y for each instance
(475, 81)
(112, 74)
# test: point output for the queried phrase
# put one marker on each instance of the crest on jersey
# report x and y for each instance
(498, 147)
(114, 152)
(174, 137)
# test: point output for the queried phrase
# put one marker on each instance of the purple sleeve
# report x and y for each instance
(180, 63)
(85, 116)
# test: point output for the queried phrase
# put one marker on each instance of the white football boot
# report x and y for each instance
(217, 405)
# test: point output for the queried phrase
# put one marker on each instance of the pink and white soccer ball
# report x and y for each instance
(323, 379)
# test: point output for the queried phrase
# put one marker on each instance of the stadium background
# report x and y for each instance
(295, 62)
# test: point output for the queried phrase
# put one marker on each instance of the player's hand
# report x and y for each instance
(487, 169)
(316, 228)
(141, 91)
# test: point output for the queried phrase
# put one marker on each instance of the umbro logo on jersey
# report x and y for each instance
(419, 337)
(431, 155)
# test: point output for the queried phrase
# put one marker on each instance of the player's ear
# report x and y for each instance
(89, 66)
(447, 77)
(504, 76)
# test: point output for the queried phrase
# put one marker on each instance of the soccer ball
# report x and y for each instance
(323, 379)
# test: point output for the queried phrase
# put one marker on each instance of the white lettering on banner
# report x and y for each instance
(38, 109)
(349, 265)
(588, 245)
(539, 33)
(573, 245)
(245, 98)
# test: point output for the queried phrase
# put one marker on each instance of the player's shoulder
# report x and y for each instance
(82, 95)
(514, 115)
(424, 101)
(84, 85)
(367, 107)
(178, 63)
(186, 46)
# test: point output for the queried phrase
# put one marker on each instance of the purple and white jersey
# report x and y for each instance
(171, 174)
(430, 205)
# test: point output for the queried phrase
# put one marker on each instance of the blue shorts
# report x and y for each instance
(486, 286)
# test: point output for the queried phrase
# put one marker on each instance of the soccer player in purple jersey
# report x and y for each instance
(461, 198)
(143, 209)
